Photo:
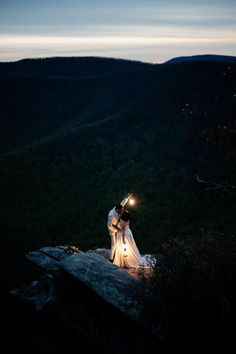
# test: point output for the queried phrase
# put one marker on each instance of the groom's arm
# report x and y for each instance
(125, 200)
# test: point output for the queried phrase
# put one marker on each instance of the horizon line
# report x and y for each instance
(117, 58)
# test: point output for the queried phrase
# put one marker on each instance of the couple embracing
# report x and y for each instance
(124, 252)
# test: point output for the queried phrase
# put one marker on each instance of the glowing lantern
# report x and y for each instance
(131, 201)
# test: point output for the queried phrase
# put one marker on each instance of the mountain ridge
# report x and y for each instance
(84, 93)
(67, 145)
(69, 66)
(203, 58)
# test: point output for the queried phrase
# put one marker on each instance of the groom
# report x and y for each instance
(113, 219)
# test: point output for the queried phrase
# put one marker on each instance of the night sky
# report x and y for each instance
(147, 30)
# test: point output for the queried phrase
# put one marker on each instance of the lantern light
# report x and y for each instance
(131, 201)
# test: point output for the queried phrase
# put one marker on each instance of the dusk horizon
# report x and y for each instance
(152, 32)
(206, 57)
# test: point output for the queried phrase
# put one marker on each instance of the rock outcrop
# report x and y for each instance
(77, 280)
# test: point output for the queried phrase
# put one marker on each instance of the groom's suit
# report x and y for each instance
(113, 218)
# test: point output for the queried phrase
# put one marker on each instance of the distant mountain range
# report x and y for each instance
(204, 58)
(76, 134)
(68, 67)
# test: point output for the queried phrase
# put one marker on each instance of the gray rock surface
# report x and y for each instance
(107, 280)
(93, 268)
(39, 293)
(118, 287)
(83, 295)
(48, 257)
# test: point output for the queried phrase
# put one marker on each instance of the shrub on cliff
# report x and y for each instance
(193, 291)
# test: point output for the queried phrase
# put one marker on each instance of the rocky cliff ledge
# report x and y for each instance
(87, 292)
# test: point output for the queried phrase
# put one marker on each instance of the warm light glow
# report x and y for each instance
(131, 201)
(124, 249)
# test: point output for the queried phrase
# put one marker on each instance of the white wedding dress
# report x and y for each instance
(126, 252)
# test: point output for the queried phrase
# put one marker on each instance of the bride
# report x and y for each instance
(126, 252)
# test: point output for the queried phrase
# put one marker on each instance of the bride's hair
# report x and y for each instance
(125, 215)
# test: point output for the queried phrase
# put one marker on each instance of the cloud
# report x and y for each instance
(162, 39)
(125, 27)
